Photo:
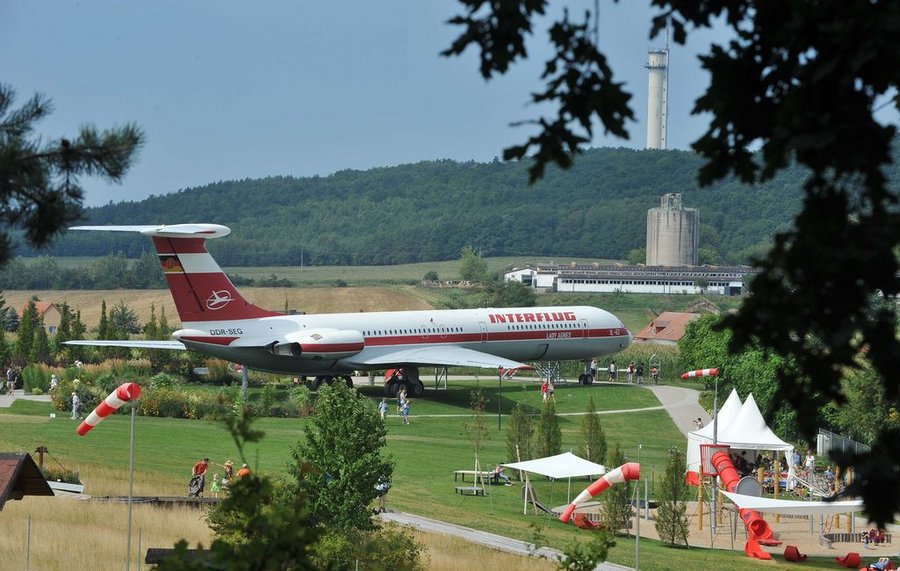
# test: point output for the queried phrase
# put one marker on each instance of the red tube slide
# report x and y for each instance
(757, 528)
(624, 473)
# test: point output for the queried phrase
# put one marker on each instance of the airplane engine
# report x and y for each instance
(322, 344)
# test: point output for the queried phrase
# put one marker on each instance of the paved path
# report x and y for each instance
(7, 400)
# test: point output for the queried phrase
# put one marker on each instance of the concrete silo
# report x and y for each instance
(673, 233)
(657, 98)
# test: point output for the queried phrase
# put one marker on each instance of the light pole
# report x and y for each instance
(499, 395)
(715, 441)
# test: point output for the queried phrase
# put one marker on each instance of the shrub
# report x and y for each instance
(61, 475)
(266, 400)
(108, 382)
(301, 397)
(164, 381)
(36, 377)
(37, 391)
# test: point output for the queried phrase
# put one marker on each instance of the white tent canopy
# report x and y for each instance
(745, 430)
(565, 465)
(793, 507)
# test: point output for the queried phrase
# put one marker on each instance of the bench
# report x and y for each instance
(469, 490)
(851, 537)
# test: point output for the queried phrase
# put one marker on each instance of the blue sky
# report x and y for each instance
(232, 90)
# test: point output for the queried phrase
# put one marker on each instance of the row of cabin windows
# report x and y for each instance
(415, 331)
(537, 326)
(640, 282)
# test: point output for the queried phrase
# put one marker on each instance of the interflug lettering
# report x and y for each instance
(535, 317)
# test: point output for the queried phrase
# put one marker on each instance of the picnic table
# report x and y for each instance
(461, 474)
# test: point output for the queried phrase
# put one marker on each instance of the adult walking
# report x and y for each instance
(76, 407)
(198, 478)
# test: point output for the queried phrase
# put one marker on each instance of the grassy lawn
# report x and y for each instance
(426, 453)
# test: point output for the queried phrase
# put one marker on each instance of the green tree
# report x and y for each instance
(586, 556)
(11, 322)
(39, 191)
(25, 336)
(40, 348)
(813, 299)
(124, 320)
(593, 442)
(866, 410)
(671, 514)
(513, 293)
(5, 349)
(549, 435)
(637, 256)
(477, 428)
(343, 446)
(472, 267)
(104, 329)
(616, 508)
(519, 434)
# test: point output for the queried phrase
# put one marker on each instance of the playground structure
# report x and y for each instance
(757, 528)
(624, 473)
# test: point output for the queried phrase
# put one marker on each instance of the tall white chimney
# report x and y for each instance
(658, 98)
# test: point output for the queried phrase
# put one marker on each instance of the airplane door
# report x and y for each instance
(484, 333)
(584, 328)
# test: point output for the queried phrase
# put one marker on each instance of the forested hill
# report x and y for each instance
(430, 210)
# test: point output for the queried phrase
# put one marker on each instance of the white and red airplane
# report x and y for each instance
(219, 322)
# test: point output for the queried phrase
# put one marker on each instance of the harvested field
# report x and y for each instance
(309, 300)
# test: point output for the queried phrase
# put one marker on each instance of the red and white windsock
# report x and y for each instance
(624, 473)
(700, 373)
(126, 392)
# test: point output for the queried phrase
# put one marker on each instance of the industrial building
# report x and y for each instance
(594, 278)
(673, 233)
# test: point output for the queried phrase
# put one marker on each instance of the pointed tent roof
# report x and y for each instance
(749, 430)
(565, 465)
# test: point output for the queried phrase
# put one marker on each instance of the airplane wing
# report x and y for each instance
(450, 356)
(132, 344)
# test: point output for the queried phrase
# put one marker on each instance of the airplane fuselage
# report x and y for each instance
(351, 341)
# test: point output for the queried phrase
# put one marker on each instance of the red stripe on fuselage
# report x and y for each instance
(210, 340)
(475, 337)
(331, 347)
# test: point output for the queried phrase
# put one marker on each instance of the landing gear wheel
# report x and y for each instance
(589, 379)
(348, 379)
(582, 379)
(417, 389)
(320, 380)
(392, 387)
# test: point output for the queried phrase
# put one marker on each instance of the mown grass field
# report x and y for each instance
(426, 453)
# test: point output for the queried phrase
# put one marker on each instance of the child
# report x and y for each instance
(383, 408)
(215, 487)
(404, 412)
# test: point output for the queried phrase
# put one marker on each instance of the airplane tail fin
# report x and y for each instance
(201, 290)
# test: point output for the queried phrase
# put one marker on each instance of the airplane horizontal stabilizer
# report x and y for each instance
(131, 344)
(449, 356)
(205, 231)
